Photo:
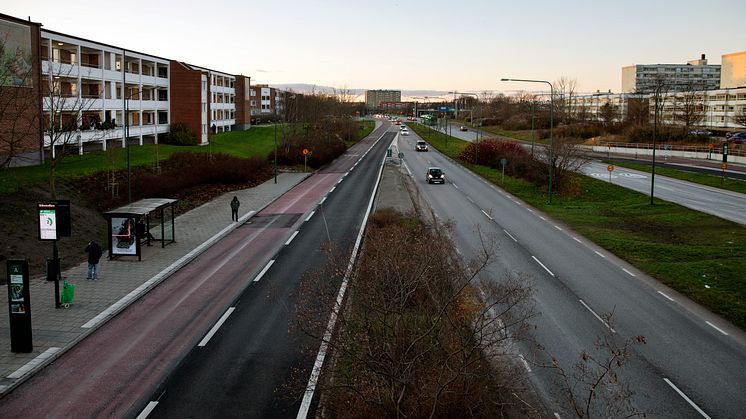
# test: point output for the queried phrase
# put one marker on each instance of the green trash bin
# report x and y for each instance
(68, 293)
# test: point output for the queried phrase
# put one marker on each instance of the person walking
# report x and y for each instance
(234, 208)
(94, 255)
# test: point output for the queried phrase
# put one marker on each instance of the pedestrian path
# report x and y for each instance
(123, 280)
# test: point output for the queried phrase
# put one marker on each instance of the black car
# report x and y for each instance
(421, 146)
(435, 175)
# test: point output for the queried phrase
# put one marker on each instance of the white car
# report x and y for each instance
(405, 132)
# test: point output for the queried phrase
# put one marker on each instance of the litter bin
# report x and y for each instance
(53, 268)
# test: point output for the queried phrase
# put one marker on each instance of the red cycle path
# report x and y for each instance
(118, 367)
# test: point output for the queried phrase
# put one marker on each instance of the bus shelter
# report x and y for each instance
(129, 226)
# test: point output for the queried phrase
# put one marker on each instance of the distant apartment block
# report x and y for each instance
(733, 70)
(265, 100)
(374, 98)
(243, 102)
(397, 107)
(694, 75)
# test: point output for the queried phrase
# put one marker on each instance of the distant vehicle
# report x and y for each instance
(700, 132)
(738, 138)
(405, 132)
(732, 133)
(398, 122)
(463, 128)
(421, 146)
(435, 175)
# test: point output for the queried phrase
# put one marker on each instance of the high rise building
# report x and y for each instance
(373, 98)
(694, 75)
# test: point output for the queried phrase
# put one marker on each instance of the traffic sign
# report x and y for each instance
(710, 146)
(610, 167)
(724, 166)
(305, 151)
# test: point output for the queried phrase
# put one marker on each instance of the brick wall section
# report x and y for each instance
(186, 86)
(20, 108)
(243, 104)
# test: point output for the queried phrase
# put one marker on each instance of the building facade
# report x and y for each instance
(265, 101)
(397, 107)
(95, 93)
(694, 75)
(733, 70)
(243, 102)
(374, 98)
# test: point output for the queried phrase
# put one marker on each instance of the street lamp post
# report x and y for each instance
(476, 152)
(551, 128)
(275, 150)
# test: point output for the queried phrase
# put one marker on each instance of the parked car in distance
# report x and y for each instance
(405, 132)
(463, 128)
(700, 132)
(738, 138)
(435, 175)
(421, 146)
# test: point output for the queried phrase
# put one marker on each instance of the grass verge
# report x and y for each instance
(730, 184)
(259, 140)
(699, 255)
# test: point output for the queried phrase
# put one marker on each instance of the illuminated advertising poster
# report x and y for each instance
(47, 222)
(123, 237)
(15, 55)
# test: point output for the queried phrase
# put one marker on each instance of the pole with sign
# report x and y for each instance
(305, 159)
(725, 152)
(53, 223)
(503, 162)
(724, 167)
(610, 168)
(19, 306)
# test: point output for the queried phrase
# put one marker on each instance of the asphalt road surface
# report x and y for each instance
(718, 202)
(693, 364)
(118, 370)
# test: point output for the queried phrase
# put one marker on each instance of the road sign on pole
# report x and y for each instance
(610, 168)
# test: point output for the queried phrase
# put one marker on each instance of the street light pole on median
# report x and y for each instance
(551, 128)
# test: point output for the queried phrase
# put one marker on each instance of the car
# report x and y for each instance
(405, 132)
(737, 138)
(403, 126)
(398, 122)
(435, 175)
(463, 128)
(421, 146)
(700, 132)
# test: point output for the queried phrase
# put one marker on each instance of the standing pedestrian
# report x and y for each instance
(94, 255)
(234, 208)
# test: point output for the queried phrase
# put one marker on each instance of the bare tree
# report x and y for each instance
(689, 106)
(564, 90)
(609, 114)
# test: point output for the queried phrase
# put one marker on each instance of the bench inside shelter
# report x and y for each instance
(129, 226)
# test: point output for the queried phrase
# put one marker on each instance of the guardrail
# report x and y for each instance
(736, 152)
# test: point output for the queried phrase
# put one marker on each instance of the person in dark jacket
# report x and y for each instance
(234, 208)
(94, 256)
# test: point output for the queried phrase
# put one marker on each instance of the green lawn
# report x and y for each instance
(259, 140)
(699, 255)
(366, 127)
(735, 185)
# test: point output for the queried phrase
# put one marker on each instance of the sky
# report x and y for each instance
(465, 45)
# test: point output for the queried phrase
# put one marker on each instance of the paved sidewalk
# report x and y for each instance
(124, 280)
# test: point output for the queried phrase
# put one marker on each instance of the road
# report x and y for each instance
(576, 282)
(121, 368)
(718, 202)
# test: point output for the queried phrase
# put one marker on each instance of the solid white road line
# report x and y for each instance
(558, 228)
(525, 363)
(291, 238)
(332, 189)
(630, 273)
(599, 253)
(145, 412)
(717, 328)
(542, 265)
(511, 236)
(488, 216)
(264, 271)
(469, 199)
(20, 372)
(542, 218)
(597, 316)
(688, 400)
(407, 167)
(310, 215)
(577, 239)
(322, 200)
(319, 363)
(215, 328)
(454, 185)
(669, 298)
(530, 210)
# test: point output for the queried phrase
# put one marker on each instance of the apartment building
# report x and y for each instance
(265, 101)
(733, 70)
(694, 75)
(20, 92)
(96, 93)
(243, 102)
(374, 98)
